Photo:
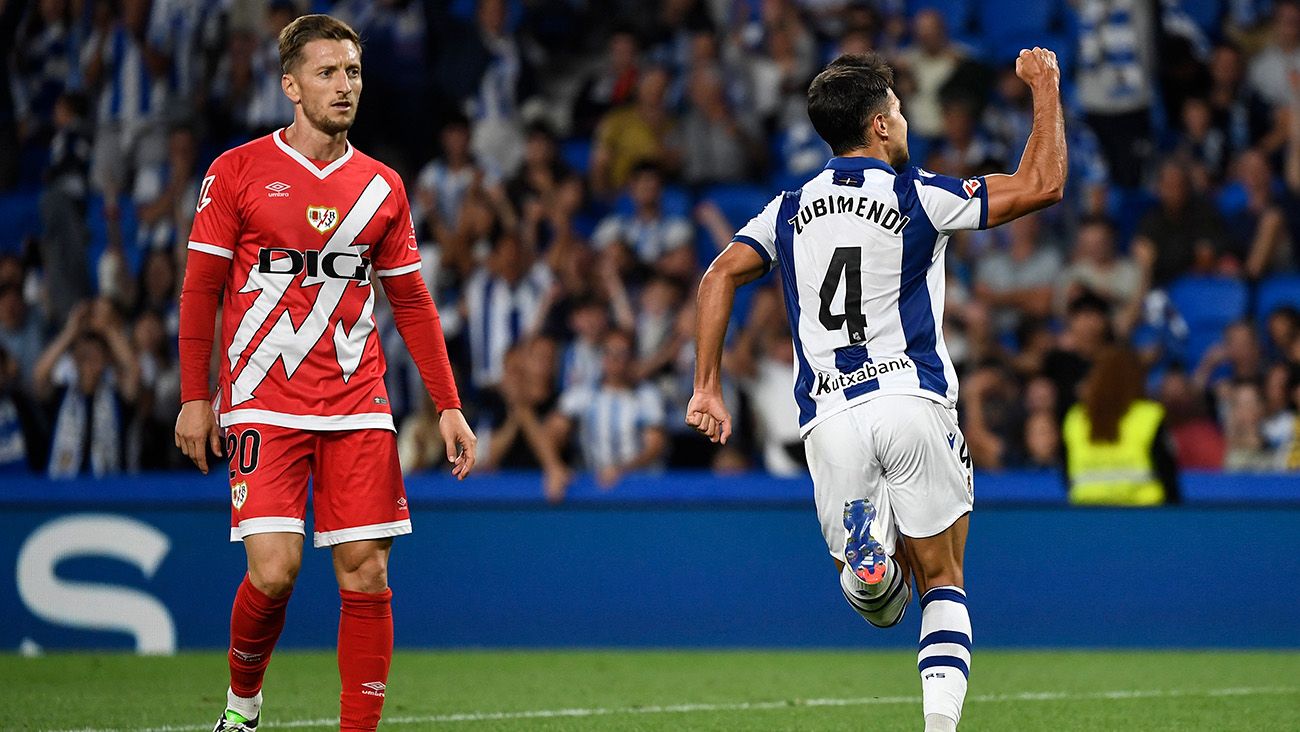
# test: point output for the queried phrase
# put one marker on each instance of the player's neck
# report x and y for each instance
(870, 151)
(315, 144)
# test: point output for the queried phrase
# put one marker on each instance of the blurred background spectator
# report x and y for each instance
(574, 166)
(1116, 448)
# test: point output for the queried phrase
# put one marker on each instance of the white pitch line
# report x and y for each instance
(1028, 696)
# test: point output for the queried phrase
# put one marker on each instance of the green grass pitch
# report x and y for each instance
(672, 690)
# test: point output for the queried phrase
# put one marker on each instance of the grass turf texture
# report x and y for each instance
(1010, 690)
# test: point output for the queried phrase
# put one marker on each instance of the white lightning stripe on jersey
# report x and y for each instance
(269, 288)
(289, 344)
(349, 346)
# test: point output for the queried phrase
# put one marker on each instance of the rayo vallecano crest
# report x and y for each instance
(322, 218)
(238, 494)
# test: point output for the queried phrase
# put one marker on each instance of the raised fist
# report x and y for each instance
(1038, 67)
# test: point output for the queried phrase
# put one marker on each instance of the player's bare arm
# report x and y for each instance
(736, 266)
(1039, 182)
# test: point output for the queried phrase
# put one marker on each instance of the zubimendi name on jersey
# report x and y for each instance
(885, 216)
(827, 383)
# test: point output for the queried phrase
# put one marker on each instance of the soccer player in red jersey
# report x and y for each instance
(293, 226)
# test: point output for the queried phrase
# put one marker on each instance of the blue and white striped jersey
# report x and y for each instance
(612, 421)
(498, 315)
(861, 249)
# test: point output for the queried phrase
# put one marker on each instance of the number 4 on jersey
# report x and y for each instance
(846, 264)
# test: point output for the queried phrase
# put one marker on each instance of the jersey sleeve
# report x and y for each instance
(953, 204)
(760, 233)
(216, 215)
(398, 252)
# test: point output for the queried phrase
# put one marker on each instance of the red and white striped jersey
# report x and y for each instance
(299, 344)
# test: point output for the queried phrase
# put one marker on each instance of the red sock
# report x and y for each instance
(365, 650)
(255, 624)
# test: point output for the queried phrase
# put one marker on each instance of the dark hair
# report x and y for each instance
(646, 166)
(455, 118)
(1088, 302)
(845, 95)
(1114, 382)
(1097, 220)
(308, 28)
(540, 127)
(1286, 311)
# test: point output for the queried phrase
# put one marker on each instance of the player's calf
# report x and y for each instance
(872, 582)
(365, 653)
(943, 656)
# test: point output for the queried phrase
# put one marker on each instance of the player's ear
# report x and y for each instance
(290, 87)
(878, 126)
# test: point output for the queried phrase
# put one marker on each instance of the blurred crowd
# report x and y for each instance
(574, 165)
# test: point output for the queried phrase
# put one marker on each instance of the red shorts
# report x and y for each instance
(356, 483)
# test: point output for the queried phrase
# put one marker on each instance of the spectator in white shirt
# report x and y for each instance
(646, 232)
(1270, 68)
(619, 425)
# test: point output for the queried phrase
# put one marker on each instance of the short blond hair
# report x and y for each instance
(308, 28)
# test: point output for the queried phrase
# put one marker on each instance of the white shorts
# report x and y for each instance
(903, 453)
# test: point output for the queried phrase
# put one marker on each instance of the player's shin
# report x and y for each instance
(944, 656)
(256, 620)
(882, 604)
(365, 651)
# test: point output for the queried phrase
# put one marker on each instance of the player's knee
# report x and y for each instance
(366, 573)
(274, 581)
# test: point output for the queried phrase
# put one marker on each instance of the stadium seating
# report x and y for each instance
(1126, 207)
(958, 13)
(1205, 13)
(20, 212)
(1274, 293)
(738, 202)
(1006, 18)
(1208, 304)
(576, 153)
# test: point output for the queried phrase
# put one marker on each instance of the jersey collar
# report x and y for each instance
(320, 173)
(859, 163)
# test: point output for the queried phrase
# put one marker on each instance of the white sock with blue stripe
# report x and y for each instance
(883, 603)
(944, 656)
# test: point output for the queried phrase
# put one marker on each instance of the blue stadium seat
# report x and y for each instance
(740, 202)
(1004, 18)
(1276, 292)
(1209, 303)
(576, 153)
(1002, 48)
(1205, 13)
(676, 201)
(956, 12)
(20, 212)
(1198, 342)
(1126, 207)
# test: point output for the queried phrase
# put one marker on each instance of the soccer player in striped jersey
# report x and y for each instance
(861, 253)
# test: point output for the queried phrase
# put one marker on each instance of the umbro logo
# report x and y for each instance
(373, 688)
(278, 190)
(245, 656)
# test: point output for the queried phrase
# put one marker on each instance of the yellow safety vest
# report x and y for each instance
(1114, 473)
